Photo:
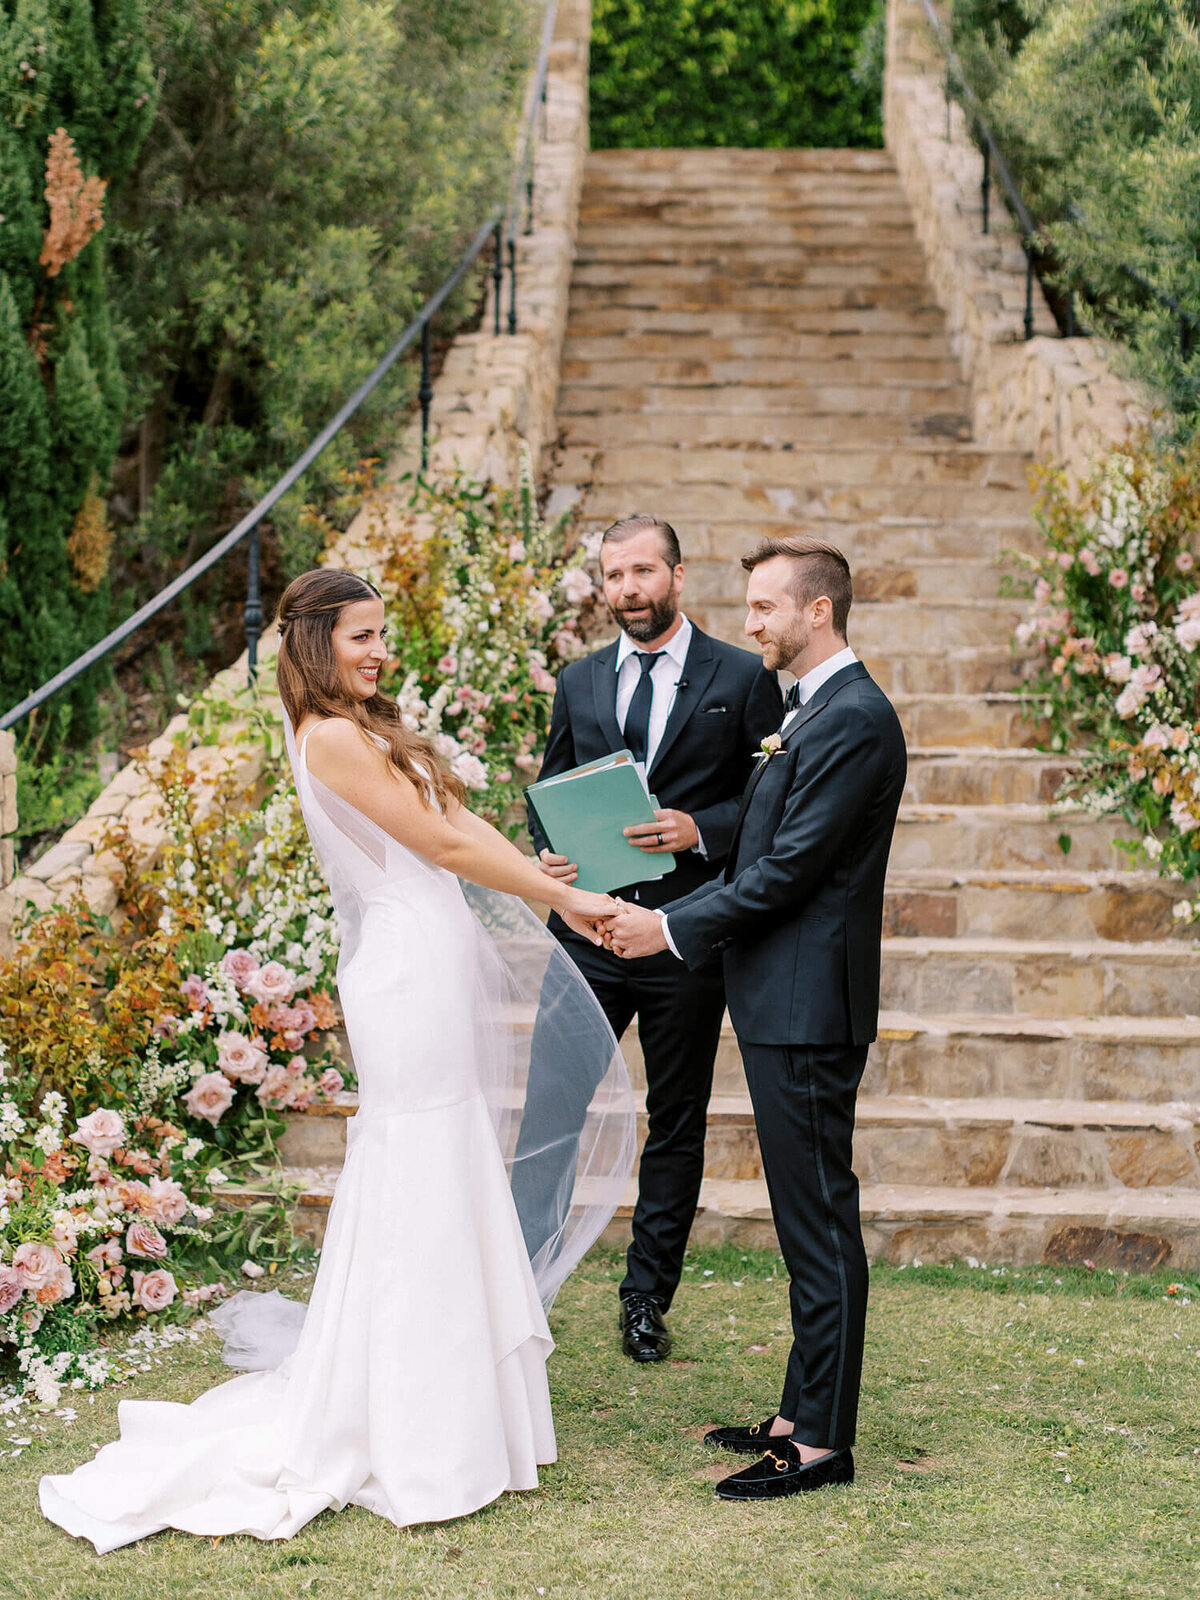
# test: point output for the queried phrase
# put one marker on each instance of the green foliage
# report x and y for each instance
(82, 67)
(738, 73)
(314, 170)
(56, 781)
(1097, 104)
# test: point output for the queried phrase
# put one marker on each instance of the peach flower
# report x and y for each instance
(272, 984)
(239, 965)
(12, 1287)
(170, 1202)
(238, 1057)
(60, 1287)
(38, 1264)
(331, 1081)
(277, 1089)
(104, 1255)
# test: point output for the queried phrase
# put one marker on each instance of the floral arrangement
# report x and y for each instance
(1116, 631)
(486, 603)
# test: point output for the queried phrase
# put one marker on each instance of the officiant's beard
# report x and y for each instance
(660, 614)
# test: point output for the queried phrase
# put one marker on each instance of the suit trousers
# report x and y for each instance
(679, 1024)
(804, 1098)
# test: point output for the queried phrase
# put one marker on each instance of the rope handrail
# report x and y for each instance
(248, 528)
(958, 84)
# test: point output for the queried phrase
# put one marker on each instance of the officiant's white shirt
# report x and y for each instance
(806, 687)
(665, 675)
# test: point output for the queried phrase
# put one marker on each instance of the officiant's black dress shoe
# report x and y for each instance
(751, 1441)
(644, 1335)
(782, 1472)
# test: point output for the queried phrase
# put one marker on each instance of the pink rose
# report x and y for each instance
(576, 585)
(541, 679)
(144, 1239)
(104, 1255)
(300, 1018)
(1089, 563)
(1117, 668)
(135, 1196)
(448, 665)
(154, 1291)
(195, 991)
(166, 1027)
(1183, 816)
(1189, 606)
(210, 1097)
(101, 1132)
(331, 1082)
(1118, 577)
(38, 1264)
(540, 605)
(170, 1202)
(239, 965)
(239, 1058)
(1188, 633)
(272, 984)
(12, 1287)
(1184, 561)
(277, 1089)
(1145, 678)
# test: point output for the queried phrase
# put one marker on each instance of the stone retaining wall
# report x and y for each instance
(493, 396)
(1058, 398)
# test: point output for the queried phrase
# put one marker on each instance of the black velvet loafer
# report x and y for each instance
(781, 1472)
(751, 1441)
(644, 1335)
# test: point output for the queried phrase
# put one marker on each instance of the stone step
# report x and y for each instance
(818, 292)
(846, 462)
(882, 627)
(1150, 1059)
(980, 777)
(1136, 1228)
(729, 277)
(702, 164)
(908, 1139)
(1046, 978)
(595, 315)
(1006, 838)
(831, 504)
(867, 544)
(699, 370)
(617, 227)
(947, 904)
(804, 347)
(998, 719)
(761, 429)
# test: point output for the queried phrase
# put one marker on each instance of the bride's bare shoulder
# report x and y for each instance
(339, 739)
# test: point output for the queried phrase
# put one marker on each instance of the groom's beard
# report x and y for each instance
(659, 617)
(780, 653)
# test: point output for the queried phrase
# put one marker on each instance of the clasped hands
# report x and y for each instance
(626, 930)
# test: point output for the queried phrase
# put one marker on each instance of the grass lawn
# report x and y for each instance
(1035, 1433)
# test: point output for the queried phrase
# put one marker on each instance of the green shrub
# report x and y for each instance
(735, 73)
(1097, 105)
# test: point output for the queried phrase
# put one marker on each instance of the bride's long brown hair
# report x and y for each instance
(309, 684)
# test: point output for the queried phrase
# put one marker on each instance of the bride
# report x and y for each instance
(414, 1382)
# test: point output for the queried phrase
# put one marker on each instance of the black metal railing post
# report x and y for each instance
(512, 284)
(425, 389)
(986, 182)
(1070, 334)
(498, 275)
(1029, 288)
(252, 614)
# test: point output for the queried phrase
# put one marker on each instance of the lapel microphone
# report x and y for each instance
(682, 683)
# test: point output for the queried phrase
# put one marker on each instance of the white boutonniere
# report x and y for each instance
(770, 744)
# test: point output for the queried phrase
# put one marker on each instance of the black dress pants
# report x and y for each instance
(803, 1097)
(679, 1023)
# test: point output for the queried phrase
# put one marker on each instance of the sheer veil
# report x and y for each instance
(545, 1058)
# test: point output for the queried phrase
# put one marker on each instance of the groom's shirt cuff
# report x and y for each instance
(666, 933)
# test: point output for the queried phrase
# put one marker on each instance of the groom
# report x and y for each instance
(797, 915)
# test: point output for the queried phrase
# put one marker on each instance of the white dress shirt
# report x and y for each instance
(806, 687)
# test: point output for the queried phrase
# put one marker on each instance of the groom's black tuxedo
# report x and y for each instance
(725, 703)
(797, 916)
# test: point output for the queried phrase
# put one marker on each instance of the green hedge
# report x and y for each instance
(673, 73)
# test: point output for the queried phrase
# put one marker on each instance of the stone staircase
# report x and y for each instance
(752, 348)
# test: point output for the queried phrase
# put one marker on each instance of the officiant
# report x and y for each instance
(693, 711)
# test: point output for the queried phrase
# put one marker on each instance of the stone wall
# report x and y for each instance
(1058, 398)
(493, 396)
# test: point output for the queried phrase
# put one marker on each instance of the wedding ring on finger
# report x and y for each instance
(659, 838)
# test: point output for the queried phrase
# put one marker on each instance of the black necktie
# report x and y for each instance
(637, 718)
(791, 700)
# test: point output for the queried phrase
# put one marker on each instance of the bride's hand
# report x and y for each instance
(587, 914)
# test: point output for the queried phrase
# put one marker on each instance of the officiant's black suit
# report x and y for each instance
(725, 704)
(797, 917)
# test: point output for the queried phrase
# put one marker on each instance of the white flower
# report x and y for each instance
(1188, 632)
(1117, 668)
(576, 586)
(251, 1269)
(470, 770)
(1139, 639)
(1127, 702)
(770, 744)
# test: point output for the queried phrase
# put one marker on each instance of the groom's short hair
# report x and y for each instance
(818, 569)
(642, 522)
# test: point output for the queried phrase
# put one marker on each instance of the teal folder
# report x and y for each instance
(582, 813)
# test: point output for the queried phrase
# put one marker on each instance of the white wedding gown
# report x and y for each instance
(415, 1382)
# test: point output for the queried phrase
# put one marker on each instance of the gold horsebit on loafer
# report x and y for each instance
(780, 1466)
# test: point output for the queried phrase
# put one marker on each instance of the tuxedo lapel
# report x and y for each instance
(752, 783)
(698, 668)
(604, 694)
